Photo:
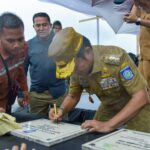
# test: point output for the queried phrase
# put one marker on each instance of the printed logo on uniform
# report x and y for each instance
(127, 73)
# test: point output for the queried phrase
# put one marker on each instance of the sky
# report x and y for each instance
(25, 9)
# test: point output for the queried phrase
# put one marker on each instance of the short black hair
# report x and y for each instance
(134, 58)
(41, 14)
(58, 23)
(85, 43)
(10, 20)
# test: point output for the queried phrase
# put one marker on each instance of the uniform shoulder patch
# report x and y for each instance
(127, 73)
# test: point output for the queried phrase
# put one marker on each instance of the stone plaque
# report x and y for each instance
(120, 140)
(46, 132)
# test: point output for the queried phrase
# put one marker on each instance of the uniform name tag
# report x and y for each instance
(127, 73)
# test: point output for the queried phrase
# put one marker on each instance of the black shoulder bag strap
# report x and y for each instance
(6, 67)
(8, 106)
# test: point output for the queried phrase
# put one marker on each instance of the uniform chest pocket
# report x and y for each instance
(110, 86)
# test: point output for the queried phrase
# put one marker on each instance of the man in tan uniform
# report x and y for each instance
(140, 15)
(106, 71)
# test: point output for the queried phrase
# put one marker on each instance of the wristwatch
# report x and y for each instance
(62, 110)
(138, 21)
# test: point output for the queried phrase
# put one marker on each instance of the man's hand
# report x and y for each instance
(130, 18)
(97, 126)
(24, 100)
(23, 147)
(53, 116)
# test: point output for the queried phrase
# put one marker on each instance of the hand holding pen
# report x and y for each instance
(55, 114)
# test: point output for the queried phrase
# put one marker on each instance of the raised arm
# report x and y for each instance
(134, 16)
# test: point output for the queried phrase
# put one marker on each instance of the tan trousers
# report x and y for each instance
(144, 67)
(40, 103)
